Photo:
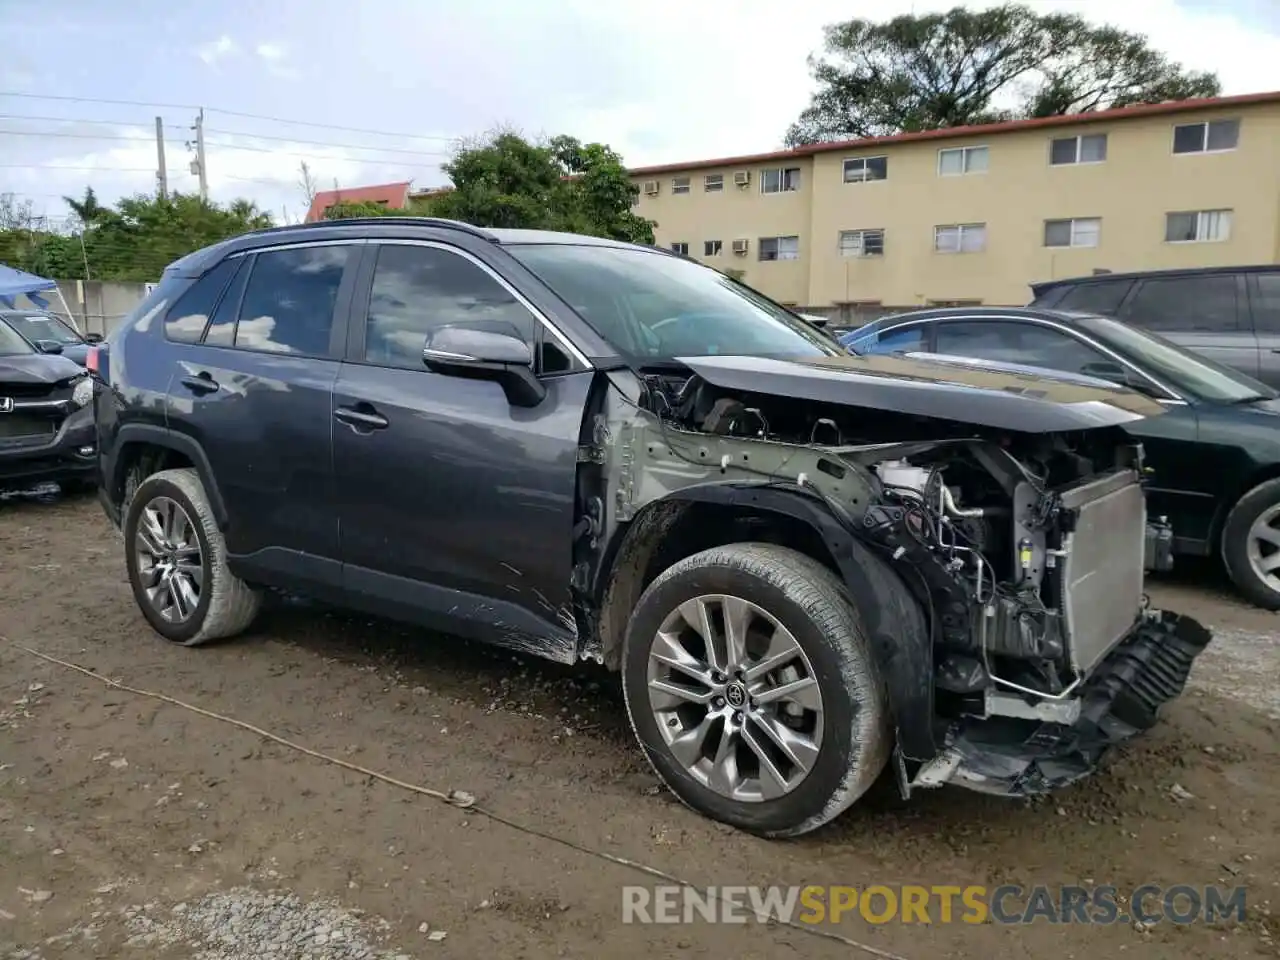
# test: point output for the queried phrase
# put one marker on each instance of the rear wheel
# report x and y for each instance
(750, 684)
(177, 562)
(1251, 545)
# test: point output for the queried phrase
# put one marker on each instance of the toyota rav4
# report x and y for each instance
(808, 567)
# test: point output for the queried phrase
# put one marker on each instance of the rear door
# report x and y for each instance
(1264, 302)
(1205, 312)
(255, 392)
(457, 509)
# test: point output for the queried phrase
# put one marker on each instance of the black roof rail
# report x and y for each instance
(389, 220)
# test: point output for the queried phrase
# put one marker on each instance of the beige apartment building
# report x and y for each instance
(974, 214)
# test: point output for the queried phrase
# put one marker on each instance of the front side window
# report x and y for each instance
(656, 307)
(961, 160)
(960, 238)
(290, 298)
(1027, 344)
(1204, 303)
(780, 180)
(417, 289)
(779, 248)
(186, 319)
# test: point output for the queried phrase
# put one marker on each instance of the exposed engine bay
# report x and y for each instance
(1026, 550)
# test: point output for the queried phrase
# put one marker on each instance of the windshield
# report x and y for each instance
(655, 307)
(1187, 372)
(36, 326)
(11, 344)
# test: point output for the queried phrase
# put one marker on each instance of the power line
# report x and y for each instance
(326, 143)
(54, 166)
(78, 120)
(74, 136)
(311, 156)
(229, 113)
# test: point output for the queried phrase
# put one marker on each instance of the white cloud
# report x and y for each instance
(216, 50)
(275, 56)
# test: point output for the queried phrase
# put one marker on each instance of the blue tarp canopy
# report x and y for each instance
(14, 283)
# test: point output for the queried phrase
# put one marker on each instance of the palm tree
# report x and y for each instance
(87, 208)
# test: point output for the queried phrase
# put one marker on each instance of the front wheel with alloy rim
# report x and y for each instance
(177, 562)
(1251, 545)
(750, 684)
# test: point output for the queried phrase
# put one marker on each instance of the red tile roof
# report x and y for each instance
(395, 195)
(1097, 116)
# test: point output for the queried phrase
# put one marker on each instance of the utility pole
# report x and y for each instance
(162, 176)
(198, 165)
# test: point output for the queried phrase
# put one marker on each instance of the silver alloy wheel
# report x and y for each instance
(170, 561)
(735, 697)
(1263, 547)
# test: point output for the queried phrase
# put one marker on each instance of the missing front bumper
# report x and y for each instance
(1014, 756)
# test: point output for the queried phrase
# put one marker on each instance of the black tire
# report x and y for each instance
(1235, 544)
(811, 602)
(226, 606)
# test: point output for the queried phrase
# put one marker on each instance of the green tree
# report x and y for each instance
(135, 240)
(347, 210)
(967, 66)
(504, 180)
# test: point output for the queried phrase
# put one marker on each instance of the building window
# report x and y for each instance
(863, 169)
(1208, 137)
(780, 180)
(954, 303)
(711, 248)
(680, 248)
(1197, 226)
(1084, 232)
(1085, 149)
(779, 248)
(962, 160)
(862, 243)
(713, 182)
(679, 185)
(960, 238)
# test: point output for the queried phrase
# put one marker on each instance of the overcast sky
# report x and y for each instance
(661, 81)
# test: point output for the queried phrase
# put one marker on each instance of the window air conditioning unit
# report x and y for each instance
(740, 247)
(741, 179)
(651, 188)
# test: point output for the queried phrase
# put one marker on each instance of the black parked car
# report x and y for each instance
(46, 422)
(806, 565)
(49, 334)
(1228, 314)
(1214, 457)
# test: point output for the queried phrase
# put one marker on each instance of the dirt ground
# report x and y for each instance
(130, 827)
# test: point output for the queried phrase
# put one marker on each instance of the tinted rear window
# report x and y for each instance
(1099, 296)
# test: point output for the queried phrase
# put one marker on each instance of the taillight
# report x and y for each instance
(98, 362)
(91, 361)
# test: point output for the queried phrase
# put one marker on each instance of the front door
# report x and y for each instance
(457, 509)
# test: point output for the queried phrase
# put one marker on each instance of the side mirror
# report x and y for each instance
(491, 352)
(814, 321)
(49, 346)
(93, 338)
(1107, 370)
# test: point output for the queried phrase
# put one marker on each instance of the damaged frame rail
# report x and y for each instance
(1018, 741)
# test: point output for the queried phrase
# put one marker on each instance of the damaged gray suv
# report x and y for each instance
(810, 568)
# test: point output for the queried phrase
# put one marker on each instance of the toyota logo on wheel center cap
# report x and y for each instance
(736, 695)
